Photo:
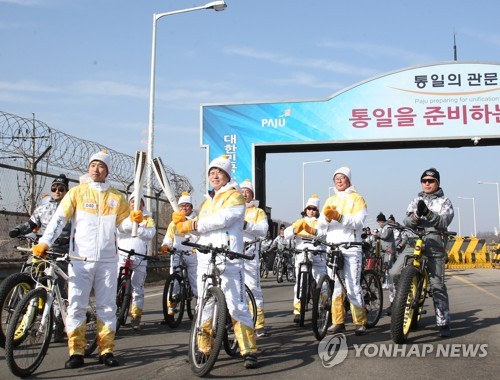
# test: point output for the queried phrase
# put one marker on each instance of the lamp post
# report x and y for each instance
(303, 183)
(215, 5)
(473, 210)
(498, 197)
(329, 190)
(459, 227)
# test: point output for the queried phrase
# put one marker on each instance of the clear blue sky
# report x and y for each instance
(83, 67)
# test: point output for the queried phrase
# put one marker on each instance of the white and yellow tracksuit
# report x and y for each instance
(352, 207)
(255, 226)
(146, 230)
(174, 238)
(95, 210)
(318, 261)
(220, 223)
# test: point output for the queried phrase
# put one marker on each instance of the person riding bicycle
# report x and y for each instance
(146, 230)
(38, 223)
(306, 227)
(255, 227)
(343, 217)
(95, 209)
(433, 212)
(388, 251)
(173, 240)
(220, 223)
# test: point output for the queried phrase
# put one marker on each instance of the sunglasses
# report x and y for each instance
(428, 180)
(61, 189)
(312, 208)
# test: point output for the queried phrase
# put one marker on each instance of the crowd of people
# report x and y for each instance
(93, 218)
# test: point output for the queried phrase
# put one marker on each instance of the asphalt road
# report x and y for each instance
(291, 352)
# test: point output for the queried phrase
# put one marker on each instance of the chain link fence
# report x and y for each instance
(32, 154)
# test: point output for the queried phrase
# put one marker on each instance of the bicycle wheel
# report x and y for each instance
(123, 301)
(12, 289)
(302, 288)
(403, 306)
(190, 300)
(207, 332)
(91, 333)
(322, 307)
(262, 267)
(423, 295)
(173, 300)
(373, 297)
(230, 341)
(28, 335)
(279, 271)
(275, 265)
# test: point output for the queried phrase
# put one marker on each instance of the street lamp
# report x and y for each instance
(303, 185)
(473, 210)
(459, 227)
(498, 197)
(215, 5)
(329, 190)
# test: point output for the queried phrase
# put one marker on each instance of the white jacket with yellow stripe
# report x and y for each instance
(96, 210)
(220, 219)
(352, 206)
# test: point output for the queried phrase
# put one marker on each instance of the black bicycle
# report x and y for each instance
(29, 332)
(412, 288)
(124, 290)
(177, 292)
(210, 326)
(14, 287)
(322, 299)
(285, 266)
(305, 280)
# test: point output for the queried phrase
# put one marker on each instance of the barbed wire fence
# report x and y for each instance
(32, 154)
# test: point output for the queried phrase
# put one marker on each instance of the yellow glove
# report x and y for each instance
(331, 213)
(165, 249)
(186, 226)
(303, 226)
(178, 216)
(136, 216)
(40, 249)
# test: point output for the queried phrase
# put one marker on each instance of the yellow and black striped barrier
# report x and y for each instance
(466, 252)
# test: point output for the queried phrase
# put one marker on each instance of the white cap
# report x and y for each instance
(343, 170)
(102, 156)
(313, 201)
(185, 198)
(246, 184)
(131, 196)
(223, 163)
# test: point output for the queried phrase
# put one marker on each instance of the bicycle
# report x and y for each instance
(29, 331)
(322, 298)
(124, 289)
(177, 292)
(285, 266)
(305, 280)
(413, 287)
(207, 336)
(13, 288)
(263, 271)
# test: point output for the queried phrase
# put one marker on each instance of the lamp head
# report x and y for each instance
(217, 6)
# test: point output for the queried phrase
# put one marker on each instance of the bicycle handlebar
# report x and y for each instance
(55, 255)
(420, 231)
(344, 244)
(210, 248)
(133, 253)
